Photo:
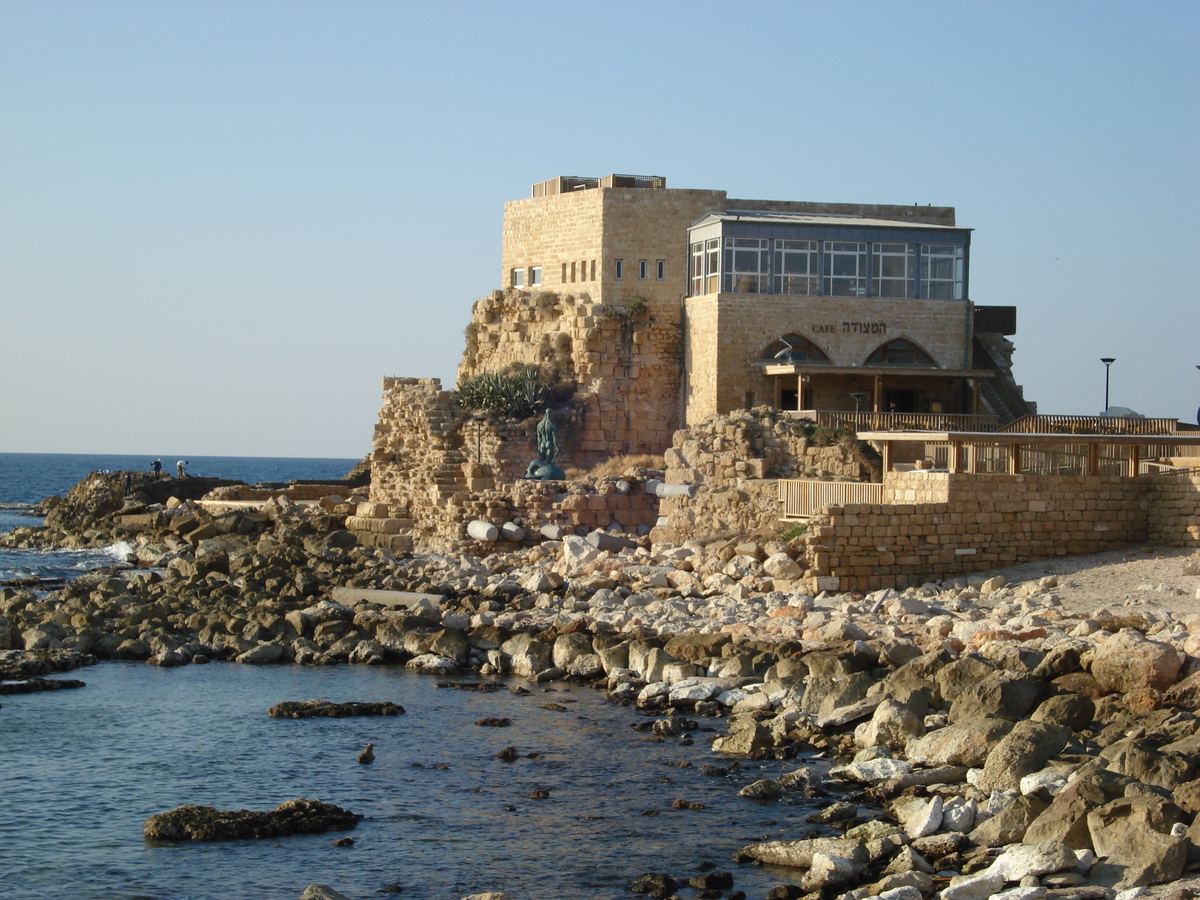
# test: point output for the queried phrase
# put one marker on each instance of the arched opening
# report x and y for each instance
(794, 348)
(900, 352)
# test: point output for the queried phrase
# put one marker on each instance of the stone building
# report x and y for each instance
(729, 303)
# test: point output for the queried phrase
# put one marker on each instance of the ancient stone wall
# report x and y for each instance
(980, 522)
(732, 463)
(434, 469)
(1173, 519)
(624, 363)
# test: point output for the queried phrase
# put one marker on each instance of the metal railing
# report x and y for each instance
(803, 499)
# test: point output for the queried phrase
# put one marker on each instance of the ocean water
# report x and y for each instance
(32, 477)
(29, 478)
(81, 770)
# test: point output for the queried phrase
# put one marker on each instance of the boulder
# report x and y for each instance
(325, 709)
(1021, 860)
(1006, 696)
(747, 739)
(1024, 750)
(1065, 819)
(1114, 824)
(1128, 661)
(892, 725)
(205, 823)
(799, 854)
(961, 744)
(1010, 823)
(322, 892)
(1073, 711)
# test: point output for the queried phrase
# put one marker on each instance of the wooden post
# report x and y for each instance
(1135, 456)
(878, 391)
(955, 452)
(1093, 463)
(1014, 459)
(887, 457)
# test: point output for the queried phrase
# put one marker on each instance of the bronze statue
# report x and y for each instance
(543, 468)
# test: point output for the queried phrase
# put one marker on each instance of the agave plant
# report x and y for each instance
(516, 395)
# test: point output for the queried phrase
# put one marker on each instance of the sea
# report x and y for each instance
(443, 816)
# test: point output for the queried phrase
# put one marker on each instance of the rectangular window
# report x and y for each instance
(942, 271)
(796, 267)
(518, 278)
(593, 278)
(747, 266)
(893, 270)
(697, 269)
(845, 269)
(660, 270)
(564, 273)
(712, 266)
(643, 270)
(535, 276)
(618, 269)
(572, 272)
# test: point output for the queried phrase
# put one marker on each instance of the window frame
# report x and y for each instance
(738, 280)
(516, 278)
(535, 276)
(833, 252)
(909, 279)
(931, 287)
(660, 270)
(618, 270)
(781, 279)
(643, 269)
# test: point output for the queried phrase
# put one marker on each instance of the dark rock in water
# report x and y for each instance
(368, 754)
(314, 709)
(322, 892)
(344, 842)
(539, 794)
(483, 687)
(206, 823)
(35, 685)
(494, 723)
(711, 881)
(655, 884)
(508, 754)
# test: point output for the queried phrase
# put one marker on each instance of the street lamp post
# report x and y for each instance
(1108, 361)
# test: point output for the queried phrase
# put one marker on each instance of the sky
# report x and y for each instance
(223, 223)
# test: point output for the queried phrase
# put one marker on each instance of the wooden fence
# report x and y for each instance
(803, 499)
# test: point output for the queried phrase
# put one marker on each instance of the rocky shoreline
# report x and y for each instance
(989, 739)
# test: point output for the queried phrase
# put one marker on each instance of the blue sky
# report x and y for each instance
(223, 223)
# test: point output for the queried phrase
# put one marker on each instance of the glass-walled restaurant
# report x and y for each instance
(827, 256)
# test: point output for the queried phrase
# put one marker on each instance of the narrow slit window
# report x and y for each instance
(643, 270)
(618, 269)
(660, 270)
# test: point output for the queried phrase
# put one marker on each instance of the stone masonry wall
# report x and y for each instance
(624, 363)
(732, 463)
(434, 469)
(1174, 515)
(981, 522)
(727, 335)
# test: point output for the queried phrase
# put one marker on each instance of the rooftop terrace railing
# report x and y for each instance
(896, 421)
(1089, 425)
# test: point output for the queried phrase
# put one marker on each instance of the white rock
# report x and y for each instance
(1053, 780)
(1019, 860)
(479, 530)
(873, 770)
(656, 689)
(979, 886)
(922, 817)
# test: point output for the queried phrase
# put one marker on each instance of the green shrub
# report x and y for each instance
(518, 395)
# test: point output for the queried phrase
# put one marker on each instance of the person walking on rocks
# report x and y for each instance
(128, 484)
(157, 466)
(181, 468)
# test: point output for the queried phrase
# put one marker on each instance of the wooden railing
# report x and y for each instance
(1089, 425)
(890, 421)
(803, 499)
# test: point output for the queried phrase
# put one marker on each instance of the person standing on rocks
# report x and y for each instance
(128, 484)
(181, 468)
(157, 466)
